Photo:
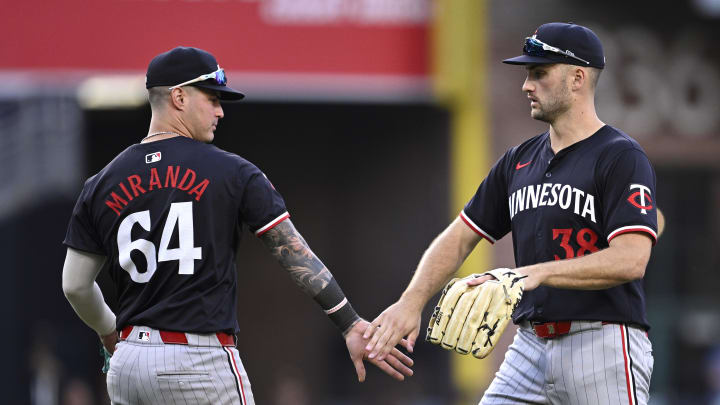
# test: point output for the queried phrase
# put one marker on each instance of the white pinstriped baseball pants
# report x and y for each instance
(144, 370)
(595, 364)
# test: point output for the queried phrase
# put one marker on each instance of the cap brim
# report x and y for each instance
(225, 93)
(528, 60)
(546, 60)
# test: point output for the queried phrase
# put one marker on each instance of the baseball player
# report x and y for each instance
(579, 200)
(166, 215)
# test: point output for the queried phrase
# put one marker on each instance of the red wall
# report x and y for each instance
(269, 36)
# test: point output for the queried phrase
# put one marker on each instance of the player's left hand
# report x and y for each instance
(396, 364)
(109, 341)
(108, 348)
(470, 318)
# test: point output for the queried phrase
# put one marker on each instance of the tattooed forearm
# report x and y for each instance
(308, 272)
(294, 254)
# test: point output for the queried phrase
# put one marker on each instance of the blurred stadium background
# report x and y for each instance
(376, 119)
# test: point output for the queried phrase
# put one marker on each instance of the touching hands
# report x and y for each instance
(396, 364)
(400, 320)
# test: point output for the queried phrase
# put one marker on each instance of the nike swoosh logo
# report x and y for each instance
(520, 166)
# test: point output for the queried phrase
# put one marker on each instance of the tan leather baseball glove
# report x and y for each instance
(470, 319)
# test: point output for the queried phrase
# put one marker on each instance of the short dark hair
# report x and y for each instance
(594, 76)
(158, 96)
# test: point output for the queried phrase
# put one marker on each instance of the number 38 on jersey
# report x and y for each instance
(180, 216)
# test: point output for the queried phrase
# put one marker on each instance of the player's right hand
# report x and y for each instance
(400, 320)
(396, 365)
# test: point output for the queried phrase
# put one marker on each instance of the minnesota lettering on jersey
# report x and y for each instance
(137, 186)
(549, 194)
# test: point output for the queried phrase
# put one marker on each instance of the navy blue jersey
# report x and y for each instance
(567, 205)
(168, 215)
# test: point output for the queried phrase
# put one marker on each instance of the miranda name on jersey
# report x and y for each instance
(136, 186)
(549, 194)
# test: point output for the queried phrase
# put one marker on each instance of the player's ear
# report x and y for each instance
(178, 98)
(579, 77)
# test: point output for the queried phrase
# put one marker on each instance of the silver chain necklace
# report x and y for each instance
(160, 133)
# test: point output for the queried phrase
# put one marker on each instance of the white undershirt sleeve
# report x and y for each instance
(83, 293)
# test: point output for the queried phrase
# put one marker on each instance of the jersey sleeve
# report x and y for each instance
(261, 206)
(629, 196)
(81, 233)
(487, 213)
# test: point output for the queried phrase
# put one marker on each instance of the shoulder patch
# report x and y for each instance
(641, 198)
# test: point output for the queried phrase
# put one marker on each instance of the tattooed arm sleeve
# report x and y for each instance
(309, 273)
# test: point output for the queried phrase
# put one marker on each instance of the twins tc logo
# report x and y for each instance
(641, 199)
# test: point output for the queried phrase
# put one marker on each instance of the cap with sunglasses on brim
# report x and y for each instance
(183, 66)
(567, 43)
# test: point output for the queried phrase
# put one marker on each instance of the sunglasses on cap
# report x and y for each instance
(536, 47)
(218, 75)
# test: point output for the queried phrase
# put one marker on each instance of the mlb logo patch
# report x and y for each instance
(144, 336)
(153, 157)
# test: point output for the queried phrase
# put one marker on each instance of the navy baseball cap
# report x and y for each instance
(184, 66)
(567, 43)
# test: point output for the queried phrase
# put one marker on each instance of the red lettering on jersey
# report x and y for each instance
(135, 181)
(564, 242)
(154, 179)
(587, 245)
(199, 189)
(172, 175)
(115, 203)
(135, 189)
(122, 186)
(182, 185)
